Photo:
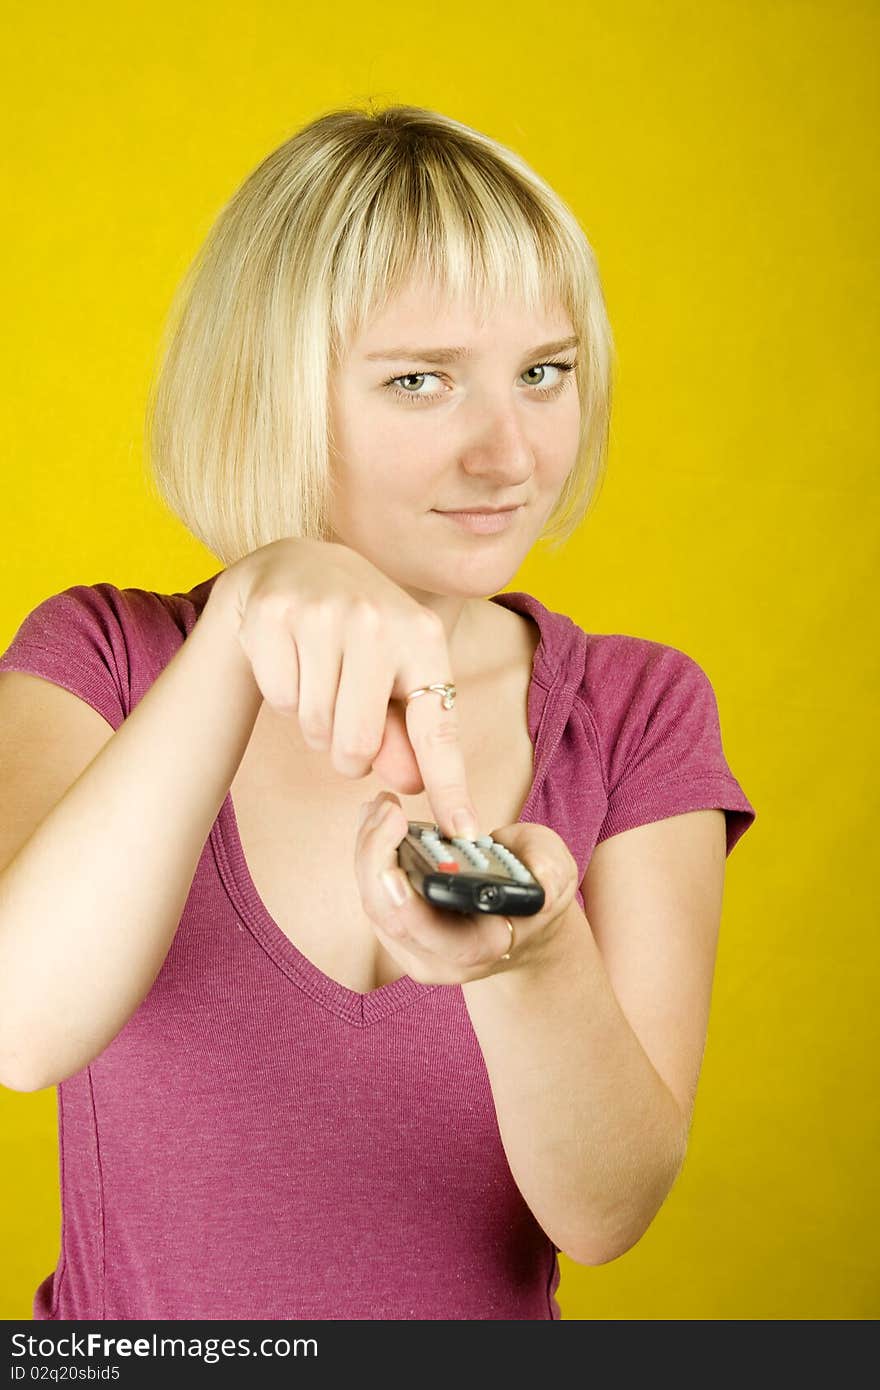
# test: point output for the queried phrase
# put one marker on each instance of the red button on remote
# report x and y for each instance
(448, 866)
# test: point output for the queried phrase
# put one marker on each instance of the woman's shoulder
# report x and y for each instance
(113, 640)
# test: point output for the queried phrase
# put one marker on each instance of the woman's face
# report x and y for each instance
(496, 427)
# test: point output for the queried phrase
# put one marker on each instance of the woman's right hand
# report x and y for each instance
(333, 640)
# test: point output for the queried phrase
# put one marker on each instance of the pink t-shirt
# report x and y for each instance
(259, 1141)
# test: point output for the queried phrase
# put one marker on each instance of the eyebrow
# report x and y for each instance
(442, 356)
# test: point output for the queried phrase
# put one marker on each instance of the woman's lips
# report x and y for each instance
(483, 523)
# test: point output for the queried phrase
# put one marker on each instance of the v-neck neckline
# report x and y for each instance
(355, 1007)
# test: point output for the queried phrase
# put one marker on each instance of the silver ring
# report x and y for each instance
(447, 691)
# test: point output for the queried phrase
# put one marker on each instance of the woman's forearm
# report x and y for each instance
(593, 1136)
(91, 901)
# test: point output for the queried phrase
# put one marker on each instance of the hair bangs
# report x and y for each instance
(443, 223)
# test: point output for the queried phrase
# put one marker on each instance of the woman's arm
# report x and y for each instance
(595, 1136)
(90, 902)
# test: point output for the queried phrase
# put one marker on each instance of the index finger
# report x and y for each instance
(433, 729)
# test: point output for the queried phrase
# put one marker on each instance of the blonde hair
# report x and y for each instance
(326, 229)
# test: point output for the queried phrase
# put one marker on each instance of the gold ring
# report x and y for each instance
(444, 688)
(506, 955)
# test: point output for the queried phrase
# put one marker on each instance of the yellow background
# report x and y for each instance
(722, 158)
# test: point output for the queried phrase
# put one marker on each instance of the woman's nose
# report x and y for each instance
(496, 441)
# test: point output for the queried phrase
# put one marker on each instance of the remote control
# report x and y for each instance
(465, 875)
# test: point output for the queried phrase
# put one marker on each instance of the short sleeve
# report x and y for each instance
(77, 640)
(658, 720)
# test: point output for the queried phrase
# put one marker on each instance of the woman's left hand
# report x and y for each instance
(437, 947)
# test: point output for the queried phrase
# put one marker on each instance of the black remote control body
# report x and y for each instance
(463, 875)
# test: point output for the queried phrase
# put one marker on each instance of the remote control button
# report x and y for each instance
(521, 874)
(431, 845)
(517, 871)
(449, 866)
(471, 853)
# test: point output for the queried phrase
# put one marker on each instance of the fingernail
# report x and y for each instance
(464, 824)
(364, 812)
(396, 886)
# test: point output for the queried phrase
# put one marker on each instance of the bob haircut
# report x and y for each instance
(327, 228)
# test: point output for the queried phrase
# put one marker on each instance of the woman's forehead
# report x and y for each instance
(418, 307)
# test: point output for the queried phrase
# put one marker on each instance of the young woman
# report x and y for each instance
(288, 1088)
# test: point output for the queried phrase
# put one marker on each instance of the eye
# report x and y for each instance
(410, 377)
(563, 368)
